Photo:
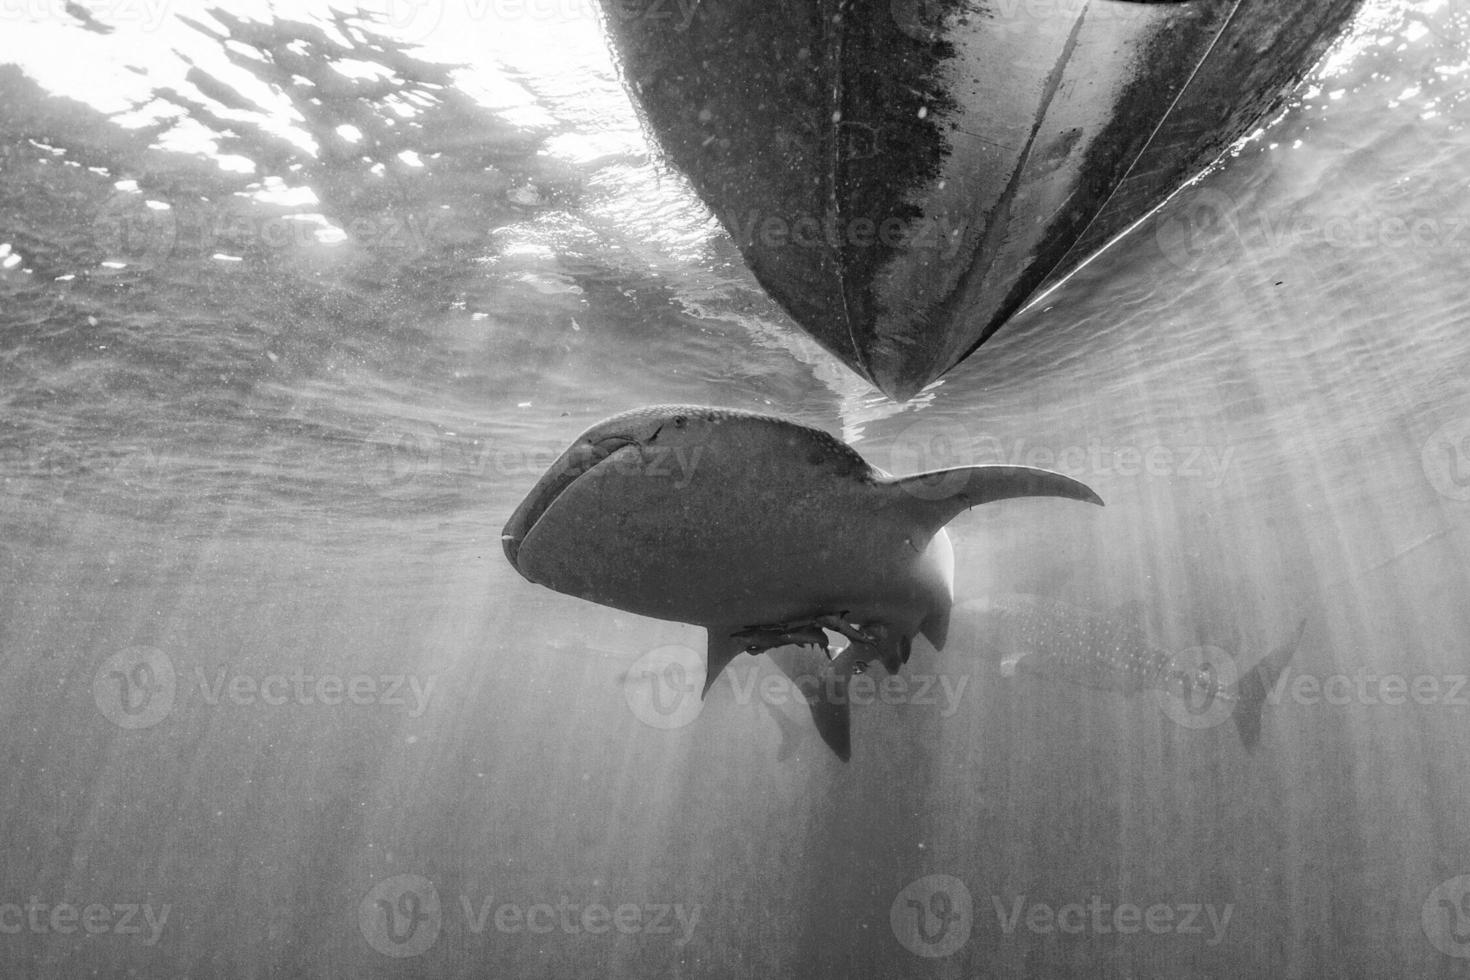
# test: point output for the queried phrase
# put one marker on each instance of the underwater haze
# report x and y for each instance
(298, 303)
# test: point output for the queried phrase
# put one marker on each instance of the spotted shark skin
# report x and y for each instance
(1059, 642)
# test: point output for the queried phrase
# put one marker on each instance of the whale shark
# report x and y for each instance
(1059, 642)
(766, 532)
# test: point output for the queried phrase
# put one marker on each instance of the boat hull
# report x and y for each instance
(902, 177)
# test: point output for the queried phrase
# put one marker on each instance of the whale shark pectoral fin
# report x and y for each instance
(721, 648)
(823, 685)
(933, 499)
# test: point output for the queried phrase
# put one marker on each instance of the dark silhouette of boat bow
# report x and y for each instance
(904, 176)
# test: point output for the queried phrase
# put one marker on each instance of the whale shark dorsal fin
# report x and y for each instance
(933, 499)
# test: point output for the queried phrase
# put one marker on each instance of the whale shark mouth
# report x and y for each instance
(571, 466)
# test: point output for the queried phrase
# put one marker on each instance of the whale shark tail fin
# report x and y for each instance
(1256, 683)
(823, 685)
(935, 498)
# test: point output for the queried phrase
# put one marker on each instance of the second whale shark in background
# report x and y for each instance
(767, 532)
(1111, 651)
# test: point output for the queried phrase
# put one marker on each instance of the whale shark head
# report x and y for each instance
(590, 448)
(625, 438)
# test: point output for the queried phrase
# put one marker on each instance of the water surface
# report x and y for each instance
(292, 315)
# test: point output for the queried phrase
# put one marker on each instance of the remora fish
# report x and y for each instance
(1058, 641)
